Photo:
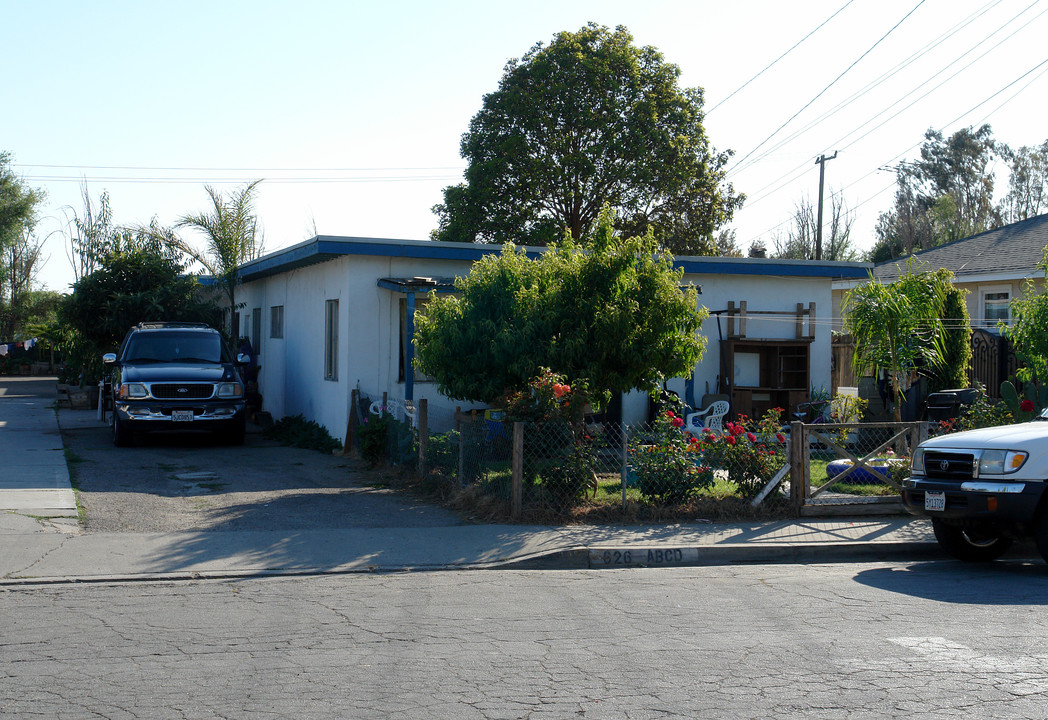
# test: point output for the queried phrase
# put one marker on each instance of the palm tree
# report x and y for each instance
(232, 235)
(898, 327)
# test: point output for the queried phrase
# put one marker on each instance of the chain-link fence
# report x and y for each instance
(556, 471)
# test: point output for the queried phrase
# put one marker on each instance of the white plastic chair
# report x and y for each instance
(711, 417)
(399, 409)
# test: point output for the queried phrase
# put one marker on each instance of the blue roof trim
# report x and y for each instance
(327, 247)
(761, 266)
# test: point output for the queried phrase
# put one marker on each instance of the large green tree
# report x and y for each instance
(129, 288)
(610, 311)
(945, 195)
(19, 248)
(1027, 182)
(587, 120)
(898, 327)
(232, 237)
(1029, 329)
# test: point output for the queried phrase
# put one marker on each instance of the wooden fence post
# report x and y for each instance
(423, 436)
(351, 424)
(517, 487)
(798, 466)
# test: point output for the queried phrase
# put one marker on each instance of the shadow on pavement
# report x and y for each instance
(1004, 582)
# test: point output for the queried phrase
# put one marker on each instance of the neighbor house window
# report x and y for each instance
(996, 306)
(276, 321)
(331, 340)
(256, 330)
(420, 309)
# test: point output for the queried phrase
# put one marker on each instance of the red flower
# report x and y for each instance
(737, 430)
(693, 441)
(677, 422)
(1026, 406)
(730, 439)
(751, 437)
(669, 414)
(780, 437)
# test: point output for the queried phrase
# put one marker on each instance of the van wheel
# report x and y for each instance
(978, 544)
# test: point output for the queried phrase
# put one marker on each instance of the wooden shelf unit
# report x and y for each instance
(772, 373)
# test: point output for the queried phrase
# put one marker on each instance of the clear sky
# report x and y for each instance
(353, 111)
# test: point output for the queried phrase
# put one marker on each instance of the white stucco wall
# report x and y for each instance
(292, 369)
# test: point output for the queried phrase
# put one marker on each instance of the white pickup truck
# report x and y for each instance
(983, 489)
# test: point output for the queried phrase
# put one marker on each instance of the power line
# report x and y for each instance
(887, 76)
(776, 60)
(740, 164)
(231, 169)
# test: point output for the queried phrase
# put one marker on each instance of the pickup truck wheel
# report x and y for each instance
(970, 544)
(122, 435)
(1040, 534)
(235, 435)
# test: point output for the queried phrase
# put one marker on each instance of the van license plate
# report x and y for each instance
(935, 501)
(182, 415)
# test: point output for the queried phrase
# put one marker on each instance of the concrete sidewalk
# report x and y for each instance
(42, 540)
(41, 550)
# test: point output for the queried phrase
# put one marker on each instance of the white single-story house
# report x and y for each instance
(334, 314)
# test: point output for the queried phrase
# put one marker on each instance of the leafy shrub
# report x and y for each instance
(383, 437)
(750, 452)
(667, 465)
(296, 431)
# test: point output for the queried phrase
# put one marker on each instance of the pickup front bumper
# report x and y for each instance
(998, 502)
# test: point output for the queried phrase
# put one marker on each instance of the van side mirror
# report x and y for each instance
(109, 358)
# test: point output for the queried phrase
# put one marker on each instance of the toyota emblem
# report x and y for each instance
(944, 465)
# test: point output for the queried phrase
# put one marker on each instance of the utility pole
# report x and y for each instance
(821, 162)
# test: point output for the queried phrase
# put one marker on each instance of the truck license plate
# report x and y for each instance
(182, 415)
(935, 501)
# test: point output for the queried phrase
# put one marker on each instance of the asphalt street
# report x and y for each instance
(858, 640)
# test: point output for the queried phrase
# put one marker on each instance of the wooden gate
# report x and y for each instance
(993, 361)
(809, 501)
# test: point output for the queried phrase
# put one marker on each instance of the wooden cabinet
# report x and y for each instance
(761, 374)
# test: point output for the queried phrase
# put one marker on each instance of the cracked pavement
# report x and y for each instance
(926, 640)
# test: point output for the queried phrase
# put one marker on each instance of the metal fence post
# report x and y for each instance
(625, 461)
(423, 436)
(517, 486)
(462, 449)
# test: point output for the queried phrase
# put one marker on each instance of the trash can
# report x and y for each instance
(947, 404)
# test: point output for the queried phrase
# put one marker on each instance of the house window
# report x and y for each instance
(420, 309)
(256, 330)
(276, 321)
(331, 340)
(996, 306)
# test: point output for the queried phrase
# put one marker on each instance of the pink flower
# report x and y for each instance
(1026, 406)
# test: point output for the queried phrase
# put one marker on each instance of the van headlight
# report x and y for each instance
(230, 390)
(1001, 462)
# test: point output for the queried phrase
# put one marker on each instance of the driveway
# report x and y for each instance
(180, 482)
